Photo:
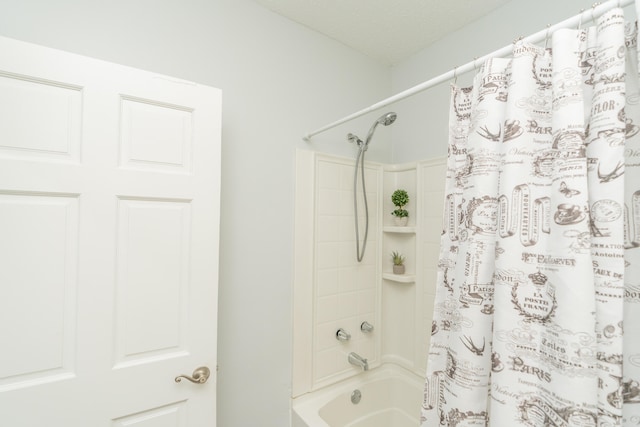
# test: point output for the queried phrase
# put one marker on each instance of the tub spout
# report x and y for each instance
(356, 359)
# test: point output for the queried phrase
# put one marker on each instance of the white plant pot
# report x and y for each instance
(398, 269)
(400, 221)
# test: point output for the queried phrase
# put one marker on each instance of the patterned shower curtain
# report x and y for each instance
(537, 312)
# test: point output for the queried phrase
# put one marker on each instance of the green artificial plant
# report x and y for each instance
(398, 259)
(400, 198)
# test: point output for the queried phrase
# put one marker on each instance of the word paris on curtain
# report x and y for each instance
(537, 313)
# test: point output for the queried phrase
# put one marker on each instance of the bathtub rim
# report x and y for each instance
(307, 406)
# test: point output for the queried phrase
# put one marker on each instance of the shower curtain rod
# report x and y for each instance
(596, 10)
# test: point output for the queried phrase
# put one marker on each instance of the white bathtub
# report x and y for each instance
(391, 397)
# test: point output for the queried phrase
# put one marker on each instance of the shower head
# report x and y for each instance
(386, 120)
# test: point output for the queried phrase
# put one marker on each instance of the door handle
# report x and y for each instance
(199, 376)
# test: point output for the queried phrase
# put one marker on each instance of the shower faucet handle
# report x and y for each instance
(366, 327)
(342, 335)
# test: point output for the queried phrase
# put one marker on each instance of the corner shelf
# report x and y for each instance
(399, 278)
(400, 230)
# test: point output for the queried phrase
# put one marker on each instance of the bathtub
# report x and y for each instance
(391, 397)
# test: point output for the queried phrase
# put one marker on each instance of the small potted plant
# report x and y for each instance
(398, 262)
(400, 198)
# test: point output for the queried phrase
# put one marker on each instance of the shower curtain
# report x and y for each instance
(537, 312)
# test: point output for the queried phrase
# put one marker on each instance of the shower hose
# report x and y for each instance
(360, 160)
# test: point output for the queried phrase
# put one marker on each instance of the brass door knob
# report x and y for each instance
(199, 376)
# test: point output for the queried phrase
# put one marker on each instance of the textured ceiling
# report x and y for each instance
(387, 30)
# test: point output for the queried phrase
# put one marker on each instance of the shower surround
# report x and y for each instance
(332, 290)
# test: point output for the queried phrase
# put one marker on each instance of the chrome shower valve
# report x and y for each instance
(366, 327)
(342, 335)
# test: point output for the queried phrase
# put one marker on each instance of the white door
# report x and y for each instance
(109, 213)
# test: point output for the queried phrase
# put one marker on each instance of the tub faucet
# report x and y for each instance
(356, 359)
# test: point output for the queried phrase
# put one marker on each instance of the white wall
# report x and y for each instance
(421, 130)
(279, 80)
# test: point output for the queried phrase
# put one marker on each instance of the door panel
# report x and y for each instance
(173, 415)
(153, 256)
(109, 213)
(156, 136)
(38, 250)
(45, 118)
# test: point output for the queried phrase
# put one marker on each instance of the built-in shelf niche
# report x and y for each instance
(399, 291)
(400, 238)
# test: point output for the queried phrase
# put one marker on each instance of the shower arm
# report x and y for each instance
(586, 15)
